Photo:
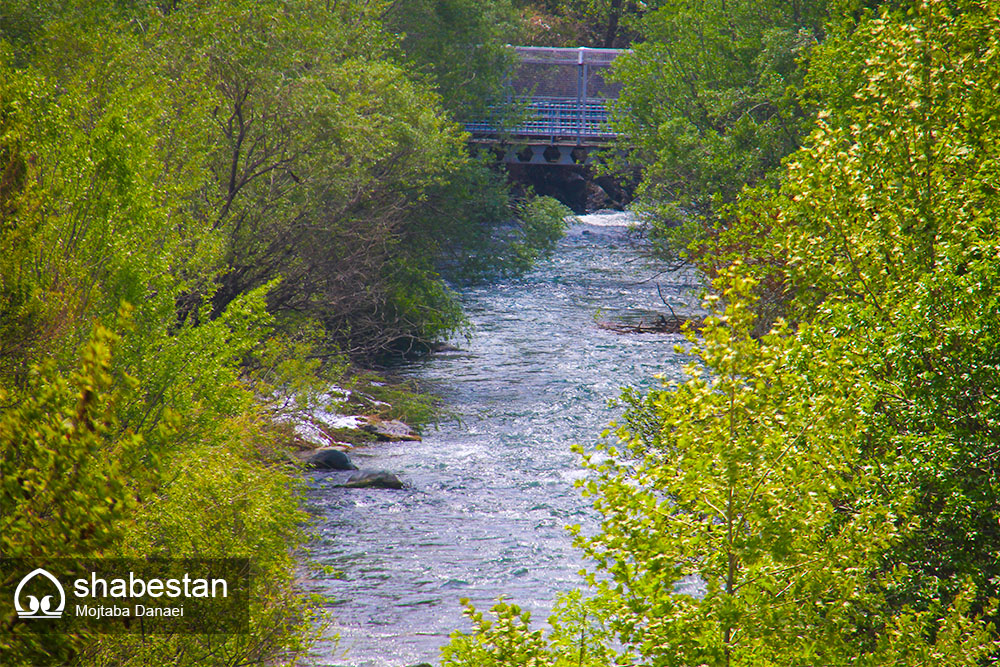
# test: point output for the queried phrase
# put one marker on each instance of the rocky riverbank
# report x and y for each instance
(324, 440)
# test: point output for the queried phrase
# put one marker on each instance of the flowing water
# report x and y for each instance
(491, 491)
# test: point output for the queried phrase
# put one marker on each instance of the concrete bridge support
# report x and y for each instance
(565, 155)
(565, 172)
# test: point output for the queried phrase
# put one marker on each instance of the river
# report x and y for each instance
(490, 490)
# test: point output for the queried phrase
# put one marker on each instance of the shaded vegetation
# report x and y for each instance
(208, 211)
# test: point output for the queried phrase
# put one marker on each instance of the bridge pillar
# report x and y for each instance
(537, 155)
(550, 154)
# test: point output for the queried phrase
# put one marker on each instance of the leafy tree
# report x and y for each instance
(887, 218)
(750, 481)
(507, 641)
(712, 103)
(222, 192)
(477, 232)
(609, 24)
(831, 485)
(461, 46)
(549, 23)
(97, 216)
(326, 155)
(69, 478)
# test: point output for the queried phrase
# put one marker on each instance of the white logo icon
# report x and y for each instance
(39, 608)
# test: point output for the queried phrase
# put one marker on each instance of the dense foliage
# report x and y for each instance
(607, 24)
(713, 101)
(461, 45)
(206, 207)
(824, 486)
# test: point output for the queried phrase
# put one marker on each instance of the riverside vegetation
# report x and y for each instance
(829, 471)
(211, 209)
(209, 212)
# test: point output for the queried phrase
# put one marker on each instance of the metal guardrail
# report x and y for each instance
(563, 93)
(556, 118)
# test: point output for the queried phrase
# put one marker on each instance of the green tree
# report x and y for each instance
(711, 103)
(608, 24)
(69, 477)
(461, 46)
(97, 215)
(880, 395)
(222, 192)
(887, 217)
(334, 168)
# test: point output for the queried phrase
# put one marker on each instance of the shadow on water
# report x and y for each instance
(490, 492)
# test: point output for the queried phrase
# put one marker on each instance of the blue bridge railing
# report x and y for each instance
(556, 119)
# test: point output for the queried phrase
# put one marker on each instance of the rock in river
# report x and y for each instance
(390, 430)
(328, 458)
(373, 479)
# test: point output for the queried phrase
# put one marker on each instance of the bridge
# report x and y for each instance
(564, 101)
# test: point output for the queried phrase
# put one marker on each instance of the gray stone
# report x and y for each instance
(391, 430)
(373, 479)
(328, 458)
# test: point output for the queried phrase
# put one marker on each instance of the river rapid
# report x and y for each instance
(490, 490)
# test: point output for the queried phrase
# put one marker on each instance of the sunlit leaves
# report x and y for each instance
(710, 101)
(887, 218)
(732, 495)
(826, 493)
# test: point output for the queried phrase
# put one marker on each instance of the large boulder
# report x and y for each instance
(328, 458)
(373, 479)
(597, 198)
